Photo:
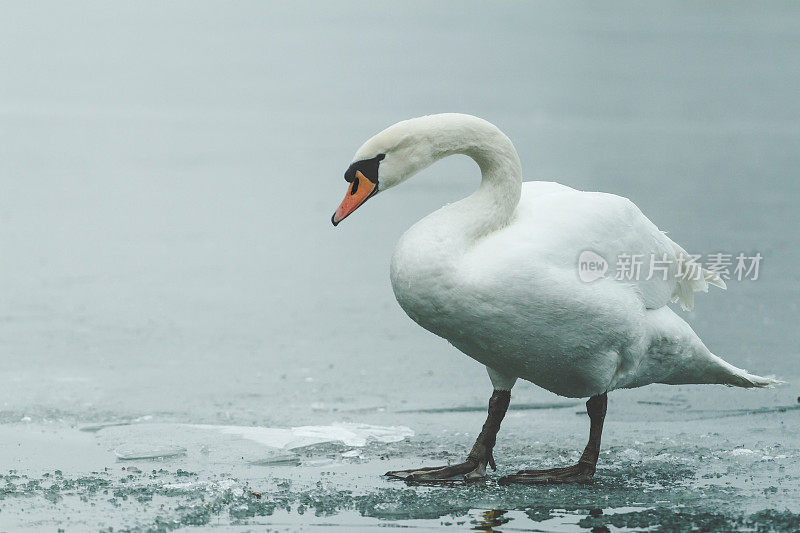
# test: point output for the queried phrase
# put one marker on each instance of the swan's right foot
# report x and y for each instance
(469, 470)
(474, 467)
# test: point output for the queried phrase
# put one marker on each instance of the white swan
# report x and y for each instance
(496, 274)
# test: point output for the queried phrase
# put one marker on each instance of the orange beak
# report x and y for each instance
(359, 192)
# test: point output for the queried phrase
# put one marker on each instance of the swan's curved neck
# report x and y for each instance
(491, 206)
(430, 251)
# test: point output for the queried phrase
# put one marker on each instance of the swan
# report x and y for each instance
(497, 275)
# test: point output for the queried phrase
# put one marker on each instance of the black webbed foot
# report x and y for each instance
(469, 470)
(579, 473)
(474, 466)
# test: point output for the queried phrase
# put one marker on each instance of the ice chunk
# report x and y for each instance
(210, 487)
(741, 451)
(278, 459)
(130, 453)
(94, 428)
(290, 438)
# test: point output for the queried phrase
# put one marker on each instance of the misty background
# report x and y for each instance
(168, 172)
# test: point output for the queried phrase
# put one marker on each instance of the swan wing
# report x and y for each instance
(558, 225)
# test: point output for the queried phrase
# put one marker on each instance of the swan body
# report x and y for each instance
(496, 274)
(513, 300)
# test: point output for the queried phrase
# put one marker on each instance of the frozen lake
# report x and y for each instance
(169, 277)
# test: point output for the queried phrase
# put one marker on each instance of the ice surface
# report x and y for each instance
(349, 434)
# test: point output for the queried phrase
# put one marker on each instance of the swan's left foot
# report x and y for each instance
(581, 472)
(474, 467)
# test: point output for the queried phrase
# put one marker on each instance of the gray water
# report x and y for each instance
(168, 173)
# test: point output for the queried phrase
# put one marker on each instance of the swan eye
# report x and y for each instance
(367, 167)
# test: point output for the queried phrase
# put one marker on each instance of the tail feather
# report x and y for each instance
(710, 368)
(713, 279)
(729, 375)
(675, 355)
(749, 381)
(692, 277)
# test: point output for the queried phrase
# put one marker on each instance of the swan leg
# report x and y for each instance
(474, 466)
(584, 470)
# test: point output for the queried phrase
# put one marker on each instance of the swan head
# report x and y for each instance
(385, 160)
(362, 175)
